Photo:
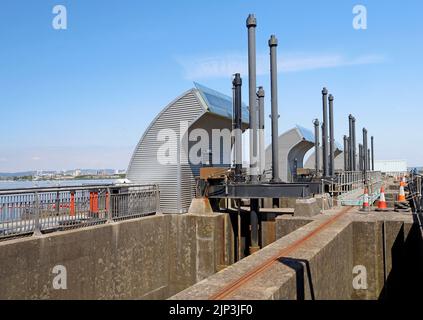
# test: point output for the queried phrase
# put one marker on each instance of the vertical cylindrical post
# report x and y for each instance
(262, 153)
(57, 203)
(157, 188)
(346, 153)
(72, 204)
(325, 133)
(360, 157)
(254, 223)
(354, 145)
(273, 44)
(108, 206)
(294, 174)
(350, 153)
(37, 222)
(91, 202)
(332, 138)
(237, 84)
(317, 146)
(365, 169)
(369, 163)
(96, 202)
(373, 153)
(251, 25)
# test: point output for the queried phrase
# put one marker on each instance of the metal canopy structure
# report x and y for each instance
(339, 158)
(293, 146)
(200, 107)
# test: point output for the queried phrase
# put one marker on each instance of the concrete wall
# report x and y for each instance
(147, 258)
(388, 245)
(302, 274)
(157, 257)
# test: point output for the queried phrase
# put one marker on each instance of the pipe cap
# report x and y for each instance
(251, 21)
(237, 80)
(331, 97)
(273, 41)
(260, 92)
(325, 91)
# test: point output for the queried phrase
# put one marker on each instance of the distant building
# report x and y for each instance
(77, 173)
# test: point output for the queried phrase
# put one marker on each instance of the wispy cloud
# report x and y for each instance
(224, 65)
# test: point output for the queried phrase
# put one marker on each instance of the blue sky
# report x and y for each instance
(82, 97)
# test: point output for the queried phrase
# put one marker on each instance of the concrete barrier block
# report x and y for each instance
(200, 206)
(324, 201)
(306, 208)
(287, 202)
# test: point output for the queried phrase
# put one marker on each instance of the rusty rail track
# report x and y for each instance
(235, 285)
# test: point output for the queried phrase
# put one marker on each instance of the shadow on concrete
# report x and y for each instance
(405, 280)
(298, 265)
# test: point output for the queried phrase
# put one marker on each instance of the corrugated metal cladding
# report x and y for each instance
(177, 182)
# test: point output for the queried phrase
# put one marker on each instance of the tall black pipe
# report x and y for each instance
(365, 169)
(237, 115)
(325, 133)
(369, 162)
(351, 140)
(373, 153)
(260, 98)
(346, 153)
(317, 146)
(354, 146)
(360, 157)
(273, 44)
(252, 75)
(332, 138)
(254, 223)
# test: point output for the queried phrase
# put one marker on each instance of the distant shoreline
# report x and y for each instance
(6, 185)
(61, 178)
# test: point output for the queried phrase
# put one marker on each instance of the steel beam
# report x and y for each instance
(262, 191)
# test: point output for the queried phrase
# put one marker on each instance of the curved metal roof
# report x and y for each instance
(219, 103)
(308, 135)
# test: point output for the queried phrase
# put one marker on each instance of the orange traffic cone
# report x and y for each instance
(366, 206)
(403, 182)
(401, 196)
(382, 201)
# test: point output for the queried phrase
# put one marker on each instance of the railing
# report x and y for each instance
(36, 211)
(415, 189)
(348, 181)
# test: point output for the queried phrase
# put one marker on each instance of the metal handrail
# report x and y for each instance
(38, 210)
(69, 188)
